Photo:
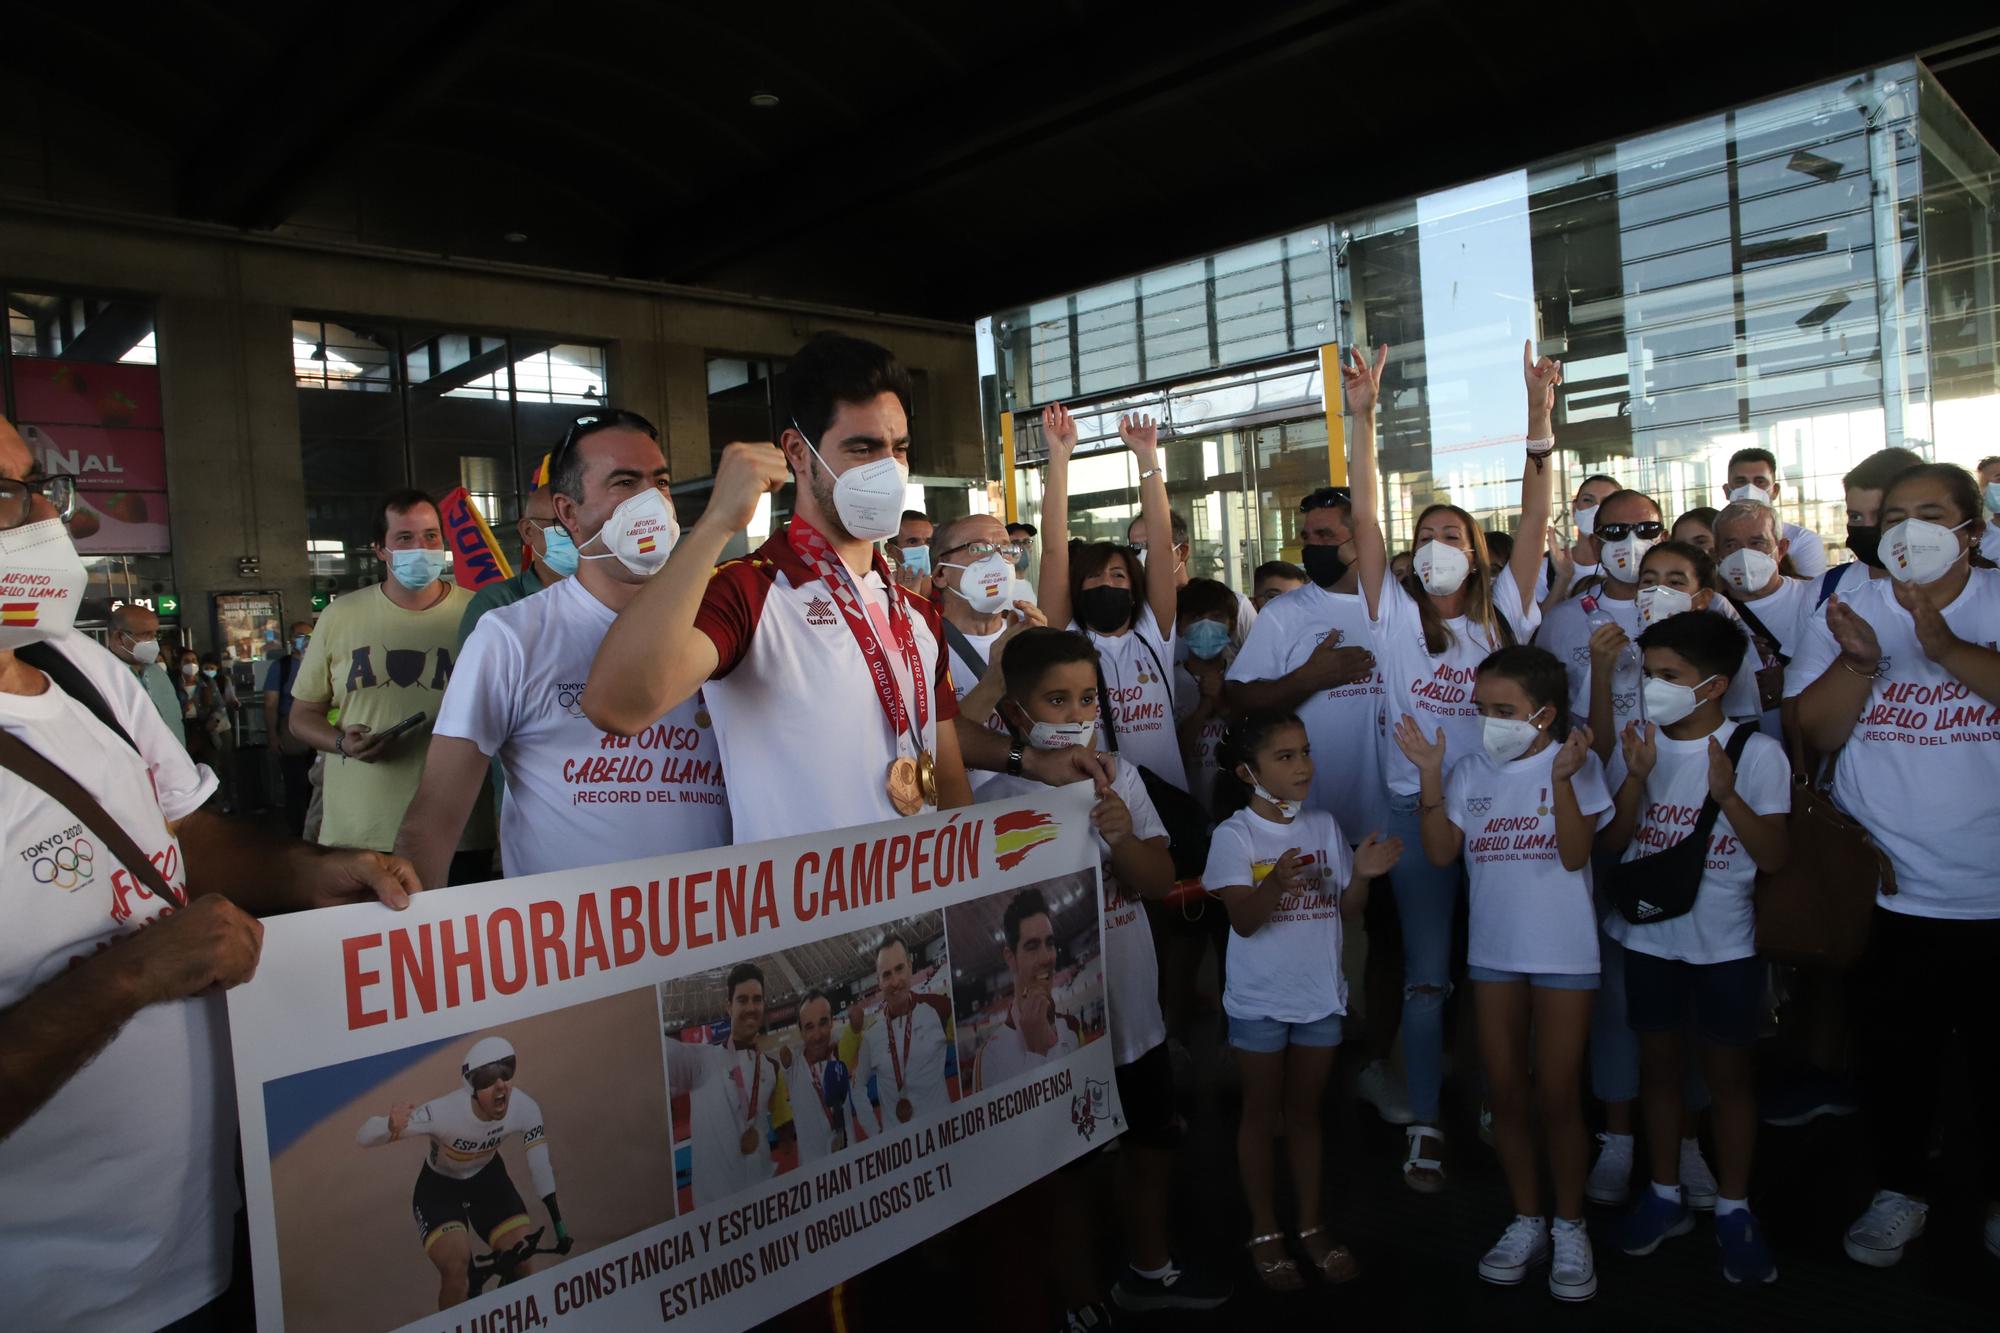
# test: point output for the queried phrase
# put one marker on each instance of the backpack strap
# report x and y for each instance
(1826, 582)
(44, 656)
(1711, 809)
(27, 763)
(963, 646)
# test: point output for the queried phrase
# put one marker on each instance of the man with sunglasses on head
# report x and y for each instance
(781, 643)
(973, 563)
(575, 796)
(116, 1099)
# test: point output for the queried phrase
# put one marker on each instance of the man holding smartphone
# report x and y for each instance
(382, 657)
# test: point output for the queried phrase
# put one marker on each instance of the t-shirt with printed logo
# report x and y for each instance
(1344, 725)
(138, 1146)
(1436, 689)
(1136, 667)
(1528, 913)
(1187, 698)
(1288, 970)
(804, 739)
(576, 795)
(1722, 924)
(1922, 765)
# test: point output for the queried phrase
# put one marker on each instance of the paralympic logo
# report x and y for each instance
(68, 868)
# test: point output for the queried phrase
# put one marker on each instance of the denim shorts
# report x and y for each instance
(1268, 1036)
(1723, 999)
(1546, 980)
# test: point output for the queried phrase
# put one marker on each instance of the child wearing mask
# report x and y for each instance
(1287, 878)
(1523, 810)
(1206, 626)
(1701, 965)
(1051, 702)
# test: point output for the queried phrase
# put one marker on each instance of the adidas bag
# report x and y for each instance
(1662, 886)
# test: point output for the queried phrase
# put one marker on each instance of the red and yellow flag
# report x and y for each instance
(476, 556)
(22, 615)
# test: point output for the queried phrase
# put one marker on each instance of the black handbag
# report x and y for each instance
(1662, 886)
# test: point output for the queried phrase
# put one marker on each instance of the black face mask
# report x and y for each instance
(1104, 608)
(1866, 544)
(1323, 564)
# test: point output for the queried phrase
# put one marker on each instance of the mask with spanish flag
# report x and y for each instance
(41, 581)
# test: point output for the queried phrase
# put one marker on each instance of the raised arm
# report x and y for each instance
(1362, 385)
(653, 658)
(1537, 475)
(1142, 436)
(1059, 433)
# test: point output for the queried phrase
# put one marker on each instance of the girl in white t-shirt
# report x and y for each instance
(1287, 878)
(1522, 810)
(1429, 634)
(1125, 606)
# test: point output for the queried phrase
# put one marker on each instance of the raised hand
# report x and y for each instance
(1607, 644)
(745, 474)
(1855, 636)
(1560, 557)
(1142, 436)
(1640, 747)
(1035, 1012)
(1721, 773)
(1112, 819)
(1427, 755)
(1934, 636)
(1377, 855)
(1362, 382)
(1059, 431)
(1541, 376)
(1570, 758)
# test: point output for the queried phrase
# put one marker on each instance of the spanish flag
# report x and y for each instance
(1019, 832)
(19, 615)
(646, 546)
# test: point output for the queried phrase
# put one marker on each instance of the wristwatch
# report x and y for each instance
(1152, 472)
(1014, 757)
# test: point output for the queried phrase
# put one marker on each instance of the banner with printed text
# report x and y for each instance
(694, 1090)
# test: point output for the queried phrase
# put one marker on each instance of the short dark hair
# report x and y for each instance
(917, 514)
(1278, 569)
(835, 368)
(1712, 642)
(566, 459)
(1179, 526)
(896, 939)
(1541, 676)
(1028, 902)
(1207, 597)
(1241, 740)
(1088, 559)
(1986, 462)
(1960, 485)
(401, 502)
(1629, 494)
(1703, 562)
(1875, 472)
(741, 973)
(1755, 455)
(1033, 652)
(1029, 528)
(1499, 546)
(1702, 514)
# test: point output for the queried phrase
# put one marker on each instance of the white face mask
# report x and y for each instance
(1586, 520)
(41, 581)
(1754, 494)
(868, 498)
(1441, 569)
(1918, 551)
(987, 584)
(1289, 809)
(640, 534)
(1667, 703)
(190, 670)
(146, 651)
(1748, 569)
(1061, 735)
(1659, 602)
(1508, 738)
(1620, 559)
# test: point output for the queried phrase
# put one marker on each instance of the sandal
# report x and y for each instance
(1338, 1264)
(1433, 1181)
(1277, 1275)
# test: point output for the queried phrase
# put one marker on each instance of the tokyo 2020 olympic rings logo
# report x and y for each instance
(569, 698)
(68, 868)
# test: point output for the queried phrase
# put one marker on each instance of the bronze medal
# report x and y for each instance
(701, 717)
(904, 1110)
(905, 788)
(749, 1141)
(927, 776)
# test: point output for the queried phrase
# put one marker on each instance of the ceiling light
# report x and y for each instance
(763, 101)
(514, 237)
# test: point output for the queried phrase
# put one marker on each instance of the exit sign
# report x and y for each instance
(169, 605)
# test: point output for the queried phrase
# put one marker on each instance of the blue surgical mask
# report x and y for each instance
(418, 569)
(1993, 497)
(299, 642)
(560, 550)
(1207, 638)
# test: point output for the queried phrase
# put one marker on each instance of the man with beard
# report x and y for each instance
(904, 1049)
(1035, 1032)
(824, 1114)
(737, 1101)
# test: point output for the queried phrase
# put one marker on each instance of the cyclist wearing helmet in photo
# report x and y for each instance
(463, 1180)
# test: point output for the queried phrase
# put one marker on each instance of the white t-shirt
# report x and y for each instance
(1785, 613)
(803, 735)
(1288, 970)
(1131, 967)
(577, 796)
(1005, 1056)
(1921, 769)
(1989, 541)
(1808, 552)
(922, 1030)
(1528, 913)
(965, 677)
(462, 1143)
(729, 1091)
(1722, 924)
(812, 1120)
(1344, 726)
(1436, 691)
(1187, 697)
(1137, 672)
(1566, 633)
(119, 1191)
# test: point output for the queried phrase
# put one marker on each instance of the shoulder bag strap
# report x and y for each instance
(1826, 582)
(1756, 625)
(24, 761)
(963, 646)
(69, 678)
(1104, 706)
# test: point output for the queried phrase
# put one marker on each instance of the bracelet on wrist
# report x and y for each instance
(1875, 674)
(1541, 448)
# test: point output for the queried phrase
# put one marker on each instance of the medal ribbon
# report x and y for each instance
(756, 1085)
(813, 548)
(909, 1030)
(820, 1090)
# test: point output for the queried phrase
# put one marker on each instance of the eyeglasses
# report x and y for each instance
(1617, 532)
(1327, 497)
(486, 1076)
(589, 424)
(17, 498)
(1008, 551)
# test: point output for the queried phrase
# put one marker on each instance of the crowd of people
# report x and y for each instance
(1480, 753)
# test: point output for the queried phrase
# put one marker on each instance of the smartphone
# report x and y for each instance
(413, 720)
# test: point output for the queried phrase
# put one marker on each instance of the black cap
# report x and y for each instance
(1028, 528)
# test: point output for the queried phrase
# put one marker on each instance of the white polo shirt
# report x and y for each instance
(728, 1091)
(577, 796)
(804, 739)
(922, 1029)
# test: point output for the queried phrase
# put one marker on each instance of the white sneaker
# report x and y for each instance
(1697, 1181)
(1892, 1221)
(1573, 1274)
(1611, 1175)
(1380, 1088)
(1523, 1244)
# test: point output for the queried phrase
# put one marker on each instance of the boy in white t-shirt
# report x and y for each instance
(1703, 963)
(1051, 702)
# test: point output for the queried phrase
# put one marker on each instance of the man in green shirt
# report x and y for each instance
(135, 641)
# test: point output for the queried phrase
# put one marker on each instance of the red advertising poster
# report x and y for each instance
(101, 425)
(101, 459)
(86, 393)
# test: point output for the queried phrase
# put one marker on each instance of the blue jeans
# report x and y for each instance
(1426, 898)
(1614, 1047)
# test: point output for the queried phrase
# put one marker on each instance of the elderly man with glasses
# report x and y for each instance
(973, 563)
